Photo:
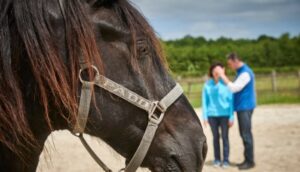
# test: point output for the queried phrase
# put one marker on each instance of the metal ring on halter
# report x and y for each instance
(153, 115)
(96, 76)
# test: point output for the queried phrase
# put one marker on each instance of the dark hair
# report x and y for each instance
(233, 56)
(212, 67)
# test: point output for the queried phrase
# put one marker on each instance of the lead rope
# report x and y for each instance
(92, 154)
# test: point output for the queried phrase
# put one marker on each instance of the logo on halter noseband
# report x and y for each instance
(119, 90)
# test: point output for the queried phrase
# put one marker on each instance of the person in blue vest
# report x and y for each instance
(217, 106)
(244, 103)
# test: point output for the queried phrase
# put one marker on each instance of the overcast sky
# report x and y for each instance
(214, 18)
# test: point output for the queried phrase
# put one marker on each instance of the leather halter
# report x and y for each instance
(156, 110)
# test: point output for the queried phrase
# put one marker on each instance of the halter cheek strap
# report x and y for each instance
(156, 111)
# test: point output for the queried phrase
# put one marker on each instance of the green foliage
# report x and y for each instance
(191, 56)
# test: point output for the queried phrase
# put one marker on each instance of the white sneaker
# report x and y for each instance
(225, 165)
(217, 163)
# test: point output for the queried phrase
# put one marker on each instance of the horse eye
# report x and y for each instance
(143, 49)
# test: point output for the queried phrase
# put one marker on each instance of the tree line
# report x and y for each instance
(192, 56)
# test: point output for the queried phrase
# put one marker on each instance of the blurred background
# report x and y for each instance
(264, 33)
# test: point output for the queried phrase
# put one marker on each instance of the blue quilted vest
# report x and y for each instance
(246, 98)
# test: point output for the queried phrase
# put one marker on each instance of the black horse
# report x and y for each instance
(39, 47)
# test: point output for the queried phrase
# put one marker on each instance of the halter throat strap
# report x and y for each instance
(156, 111)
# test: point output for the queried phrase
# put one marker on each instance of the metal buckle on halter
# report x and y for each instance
(97, 76)
(156, 114)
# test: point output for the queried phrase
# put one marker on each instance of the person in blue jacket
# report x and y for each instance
(217, 106)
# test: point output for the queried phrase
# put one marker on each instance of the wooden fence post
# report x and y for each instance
(274, 83)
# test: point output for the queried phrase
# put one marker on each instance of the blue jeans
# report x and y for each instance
(216, 123)
(244, 118)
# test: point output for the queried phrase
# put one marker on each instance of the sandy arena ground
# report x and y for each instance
(277, 146)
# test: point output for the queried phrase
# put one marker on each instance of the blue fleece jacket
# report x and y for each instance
(217, 100)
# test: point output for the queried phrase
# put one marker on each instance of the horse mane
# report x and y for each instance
(24, 26)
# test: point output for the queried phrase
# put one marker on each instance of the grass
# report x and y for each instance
(288, 90)
(279, 98)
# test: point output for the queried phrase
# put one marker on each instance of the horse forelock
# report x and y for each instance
(51, 73)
